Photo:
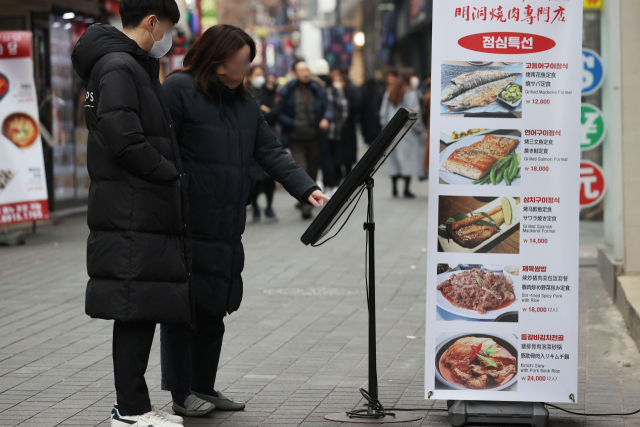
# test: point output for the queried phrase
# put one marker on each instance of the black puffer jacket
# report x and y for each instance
(218, 139)
(138, 251)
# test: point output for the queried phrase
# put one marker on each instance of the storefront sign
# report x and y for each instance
(592, 184)
(23, 189)
(593, 4)
(502, 306)
(592, 72)
(593, 128)
(208, 14)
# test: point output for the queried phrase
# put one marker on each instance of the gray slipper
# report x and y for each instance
(222, 402)
(194, 407)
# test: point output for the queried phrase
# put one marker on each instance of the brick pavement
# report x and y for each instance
(296, 350)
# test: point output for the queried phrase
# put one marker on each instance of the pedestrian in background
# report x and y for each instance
(345, 147)
(138, 252)
(426, 117)
(265, 95)
(320, 72)
(305, 114)
(220, 130)
(372, 93)
(406, 160)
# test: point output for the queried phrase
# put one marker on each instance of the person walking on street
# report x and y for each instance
(406, 160)
(345, 152)
(305, 115)
(265, 95)
(220, 130)
(426, 112)
(138, 250)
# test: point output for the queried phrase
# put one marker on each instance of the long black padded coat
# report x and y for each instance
(138, 250)
(218, 139)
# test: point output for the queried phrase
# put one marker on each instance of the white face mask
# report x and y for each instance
(415, 82)
(338, 85)
(258, 81)
(161, 47)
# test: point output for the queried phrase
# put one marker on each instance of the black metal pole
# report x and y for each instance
(370, 227)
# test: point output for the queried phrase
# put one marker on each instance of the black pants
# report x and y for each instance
(308, 155)
(266, 186)
(189, 359)
(131, 348)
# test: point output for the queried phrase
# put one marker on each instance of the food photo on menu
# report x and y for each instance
(481, 89)
(468, 224)
(478, 293)
(481, 157)
(476, 361)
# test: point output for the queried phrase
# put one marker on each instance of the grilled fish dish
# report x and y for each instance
(476, 160)
(478, 96)
(469, 81)
(469, 233)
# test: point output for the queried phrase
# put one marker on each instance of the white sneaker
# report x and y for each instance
(171, 417)
(150, 419)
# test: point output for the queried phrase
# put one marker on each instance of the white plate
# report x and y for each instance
(454, 178)
(445, 304)
(451, 246)
(446, 138)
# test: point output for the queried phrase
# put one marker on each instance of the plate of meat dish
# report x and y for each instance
(476, 89)
(470, 232)
(476, 293)
(470, 161)
(477, 362)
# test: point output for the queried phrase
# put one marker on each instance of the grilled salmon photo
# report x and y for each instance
(479, 96)
(469, 81)
(475, 161)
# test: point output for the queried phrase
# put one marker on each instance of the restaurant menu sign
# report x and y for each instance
(502, 275)
(23, 189)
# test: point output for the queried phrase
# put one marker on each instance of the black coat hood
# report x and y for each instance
(99, 40)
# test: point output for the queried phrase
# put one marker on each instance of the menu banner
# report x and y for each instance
(503, 245)
(23, 187)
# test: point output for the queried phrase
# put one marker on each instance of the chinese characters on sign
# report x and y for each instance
(502, 306)
(23, 190)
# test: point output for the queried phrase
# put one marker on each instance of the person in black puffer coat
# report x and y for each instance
(220, 130)
(265, 95)
(138, 250)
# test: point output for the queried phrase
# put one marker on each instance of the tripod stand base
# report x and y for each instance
(401, 417)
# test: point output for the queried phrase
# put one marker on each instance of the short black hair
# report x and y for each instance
(133, 11)
(296, 62)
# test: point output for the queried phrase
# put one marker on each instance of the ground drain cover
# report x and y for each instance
(312, 292)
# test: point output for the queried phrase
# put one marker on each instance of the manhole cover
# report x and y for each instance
(312, 292)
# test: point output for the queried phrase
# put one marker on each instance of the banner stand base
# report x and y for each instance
(402, 417)
(12, 238)
(463, 412)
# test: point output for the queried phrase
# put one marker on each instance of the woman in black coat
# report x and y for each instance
(265, 96)
(220, 130)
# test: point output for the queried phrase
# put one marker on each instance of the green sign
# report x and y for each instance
(592, 129)
(208, 14)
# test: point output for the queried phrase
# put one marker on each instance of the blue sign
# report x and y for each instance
(592, 72)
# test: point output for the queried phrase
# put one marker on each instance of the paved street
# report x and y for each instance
(296, 350)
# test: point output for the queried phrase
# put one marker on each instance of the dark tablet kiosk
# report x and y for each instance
(356, 181)
(359, 180)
